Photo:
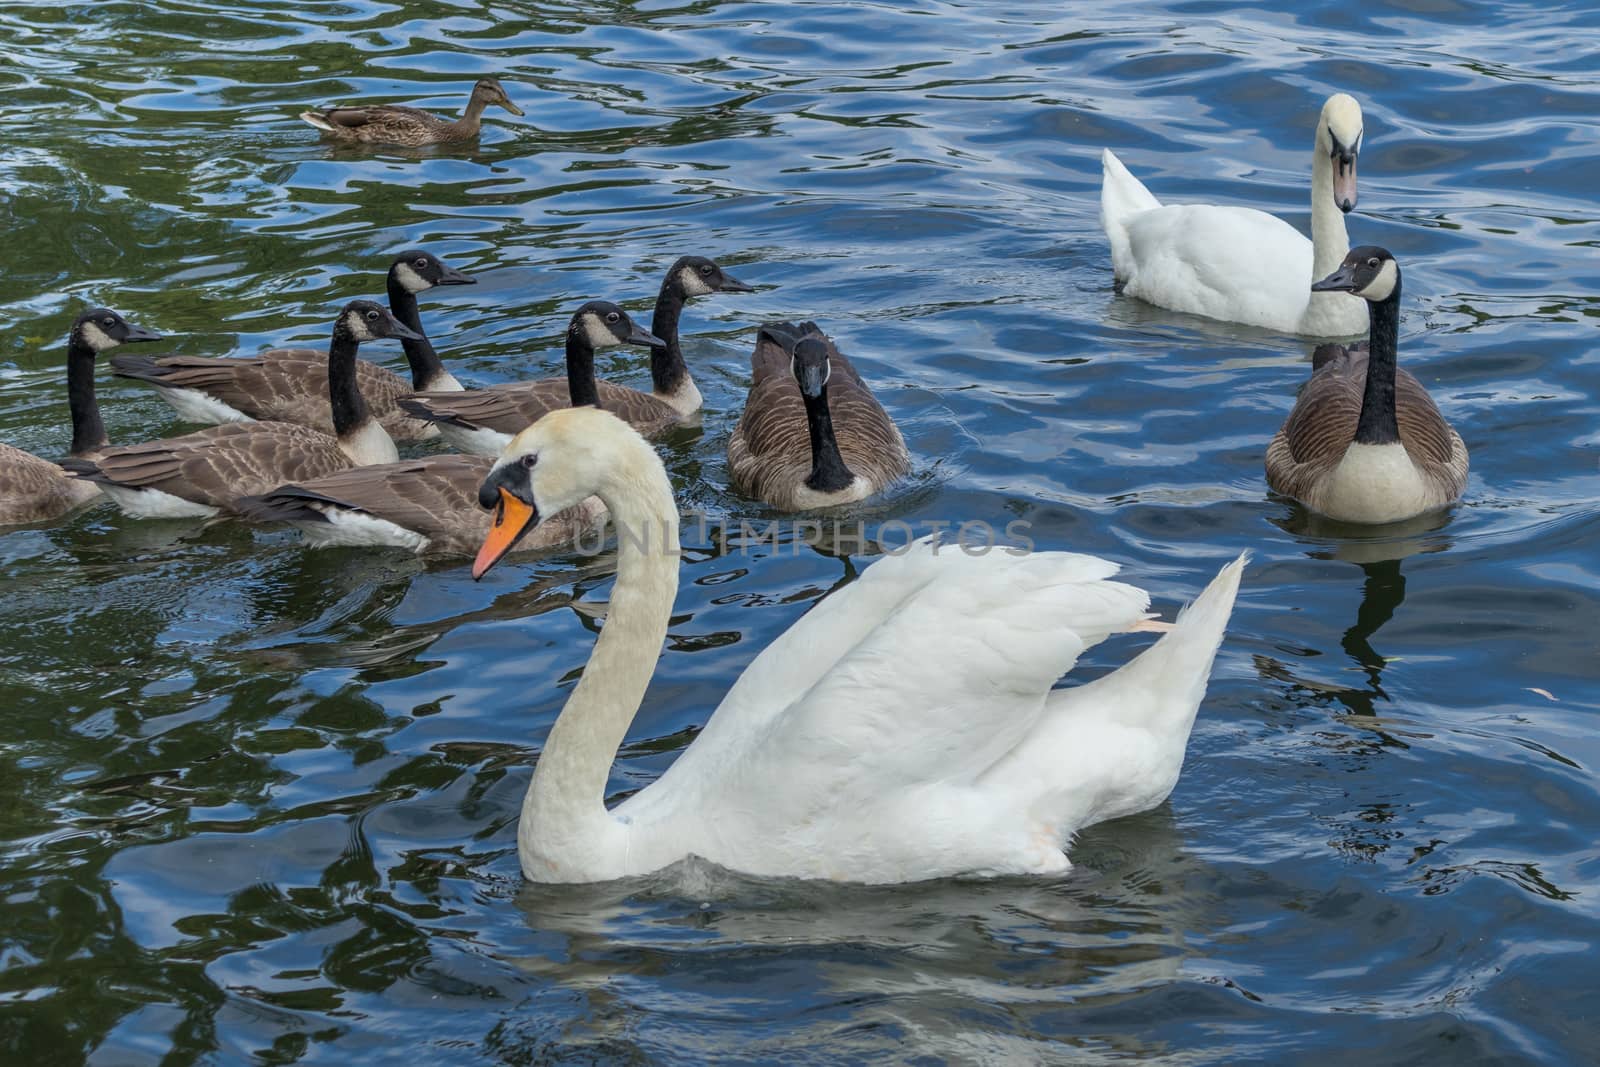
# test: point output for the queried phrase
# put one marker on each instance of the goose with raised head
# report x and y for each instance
(428, 506)
(203, 473)
(291, 384)
(36, 490)
(1238, 264)
(1365, 442)
(904, 728)
(812, 434)
(397, 124)
(481, 421)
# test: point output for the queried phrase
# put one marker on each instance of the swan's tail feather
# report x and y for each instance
(1121, 197)
(317, 120)
(1178, 666)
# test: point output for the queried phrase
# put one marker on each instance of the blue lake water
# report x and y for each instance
(258, 804)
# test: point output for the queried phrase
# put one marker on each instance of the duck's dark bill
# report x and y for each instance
(512, 519)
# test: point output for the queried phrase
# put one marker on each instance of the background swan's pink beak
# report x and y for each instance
(1344, 183)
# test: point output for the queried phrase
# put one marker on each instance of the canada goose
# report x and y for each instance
(429, 506)
(481, 421)
(812, 434)
(36, 490)
(1238, 264)
(291, 384)
(202, 473)
(1365, 442)
(905, 728)
(400, 125)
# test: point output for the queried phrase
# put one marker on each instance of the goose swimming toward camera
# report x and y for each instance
(400, 125)
(36, 490)
(812, 434)
(1238, 264)
(291, 384)
(904, 728)
(203, 473)
(481, 421)
(1365, 442)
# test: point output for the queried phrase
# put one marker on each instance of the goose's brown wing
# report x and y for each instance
(436, 497)
(219, 464)
(282, 385)
(513, 407)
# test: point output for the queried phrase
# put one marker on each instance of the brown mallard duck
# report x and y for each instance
(400, 125)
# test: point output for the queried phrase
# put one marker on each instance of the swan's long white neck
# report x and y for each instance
(1330, 241)
(565, 832)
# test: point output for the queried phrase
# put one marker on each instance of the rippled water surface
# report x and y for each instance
(258, 803)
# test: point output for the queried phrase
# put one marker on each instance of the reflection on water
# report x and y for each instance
(258, 803)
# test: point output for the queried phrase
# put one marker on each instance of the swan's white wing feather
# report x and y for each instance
(1229, 263)
(920, 700)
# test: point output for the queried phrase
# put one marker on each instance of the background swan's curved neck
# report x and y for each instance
(1330, 241)
(564, 813)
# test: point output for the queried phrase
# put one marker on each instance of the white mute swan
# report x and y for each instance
(904, 729)
(1238, 264)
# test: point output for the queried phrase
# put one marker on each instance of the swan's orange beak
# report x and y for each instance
(512, 519)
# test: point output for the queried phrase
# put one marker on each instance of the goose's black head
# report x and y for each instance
(417, 271)
(490, 91)
(1369, 272)
(811, 366)
(365, 320)
(698, 276)
(102, 328)
(601, 324)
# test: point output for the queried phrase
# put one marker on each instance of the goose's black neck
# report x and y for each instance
(1378, 425)
(828, 471)
(667, 369)
(581, 385)
(88, 432)
(425, 364)
(349, 406)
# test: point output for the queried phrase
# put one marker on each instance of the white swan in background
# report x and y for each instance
(1238, 264)
(904, 729)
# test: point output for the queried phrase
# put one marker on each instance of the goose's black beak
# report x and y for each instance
(139, 333)
(451, 276)
(733, 285)
(1342, 280)
(641, 336)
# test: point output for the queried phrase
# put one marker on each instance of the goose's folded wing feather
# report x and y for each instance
(219, 464)
(431, 496)
(513, 407)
